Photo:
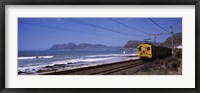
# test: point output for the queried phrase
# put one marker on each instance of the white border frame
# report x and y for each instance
(186, 80)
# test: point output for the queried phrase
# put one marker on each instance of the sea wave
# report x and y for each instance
(32, 67)
(112, 55)
(34, 57)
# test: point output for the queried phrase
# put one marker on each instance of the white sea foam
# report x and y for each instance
(112, 55)
(132, 58)
(34, 57)
(32, 69)
(45, 56)
(89, 60)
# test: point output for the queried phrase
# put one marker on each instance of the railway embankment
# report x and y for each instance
(166, 66)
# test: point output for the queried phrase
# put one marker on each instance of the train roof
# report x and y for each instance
(152, 44)
(147, 43)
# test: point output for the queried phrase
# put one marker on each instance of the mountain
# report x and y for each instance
(130, 44)
(135, 43)
(82, 46)
(177, 40)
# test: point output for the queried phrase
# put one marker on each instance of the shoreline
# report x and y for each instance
(92, 69)
(77, 65)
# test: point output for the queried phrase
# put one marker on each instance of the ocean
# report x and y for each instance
(32, 62)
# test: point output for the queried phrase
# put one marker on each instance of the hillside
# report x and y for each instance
(82, 46)
(176, 41)
(167, 43)
(135, 43)
(132, 43)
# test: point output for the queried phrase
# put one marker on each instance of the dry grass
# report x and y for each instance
(165, 66)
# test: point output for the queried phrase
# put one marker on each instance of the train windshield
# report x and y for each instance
(148, 48)
(140, 48)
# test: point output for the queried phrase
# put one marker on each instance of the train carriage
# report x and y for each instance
(151, 51)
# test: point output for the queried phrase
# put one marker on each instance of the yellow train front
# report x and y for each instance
(149, 51)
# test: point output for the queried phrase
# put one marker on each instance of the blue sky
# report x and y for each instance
(42, 33)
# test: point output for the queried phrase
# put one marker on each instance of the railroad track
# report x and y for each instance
(105, 69)
(114, 70)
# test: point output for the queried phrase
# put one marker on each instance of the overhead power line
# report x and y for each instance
(151, 26)
(100, 27)
(158, 25)
(54, 27)
(153, 29)
(127, 26)
(65, 29)
(156, 35)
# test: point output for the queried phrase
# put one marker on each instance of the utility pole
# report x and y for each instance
(156, 35)
(176, 35)
(172, 32)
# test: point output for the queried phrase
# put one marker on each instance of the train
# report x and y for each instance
(150, 51)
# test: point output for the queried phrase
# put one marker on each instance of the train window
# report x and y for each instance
(139, 48)
(148, 48)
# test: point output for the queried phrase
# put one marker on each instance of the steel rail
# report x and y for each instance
(101, 69)
(114, 70)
